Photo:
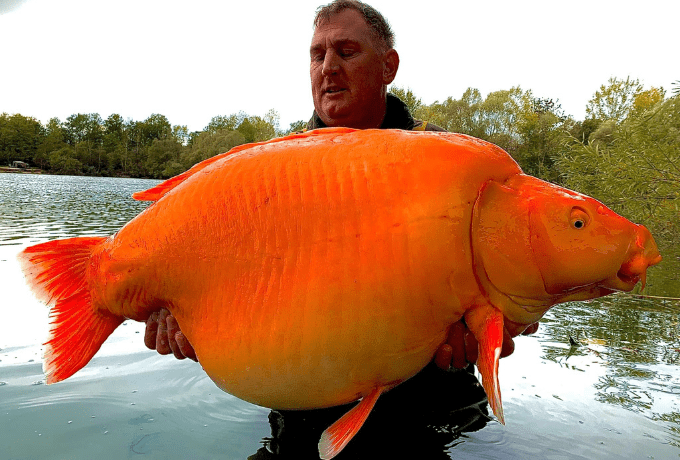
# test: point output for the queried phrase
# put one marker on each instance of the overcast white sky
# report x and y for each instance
(192, 60)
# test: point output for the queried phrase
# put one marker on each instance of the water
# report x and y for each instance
(614, 396)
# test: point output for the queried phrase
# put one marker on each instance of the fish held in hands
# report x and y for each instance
(327, 267)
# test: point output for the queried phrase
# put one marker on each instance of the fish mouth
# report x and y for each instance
(642, 254)
(634, 270)
(630, 280)
(624, 282)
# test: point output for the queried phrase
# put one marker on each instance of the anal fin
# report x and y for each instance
(486, 323)
(336, 437)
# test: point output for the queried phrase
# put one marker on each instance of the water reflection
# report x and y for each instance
(634, 341)
(422, 418)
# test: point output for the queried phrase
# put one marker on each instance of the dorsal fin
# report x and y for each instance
(157, 192)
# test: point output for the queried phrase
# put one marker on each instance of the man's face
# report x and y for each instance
(350, 72)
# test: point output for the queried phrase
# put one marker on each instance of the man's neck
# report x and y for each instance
(395, 116)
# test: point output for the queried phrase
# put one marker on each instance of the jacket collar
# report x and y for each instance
(397, 116)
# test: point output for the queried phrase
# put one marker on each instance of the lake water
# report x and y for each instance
(616, 396)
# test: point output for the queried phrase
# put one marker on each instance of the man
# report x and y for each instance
(353, 60)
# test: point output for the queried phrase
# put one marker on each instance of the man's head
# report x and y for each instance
(352, 62)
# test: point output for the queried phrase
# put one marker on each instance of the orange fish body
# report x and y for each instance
(307, 272)
(320, 268)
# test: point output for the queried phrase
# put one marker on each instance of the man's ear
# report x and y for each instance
(390, 66)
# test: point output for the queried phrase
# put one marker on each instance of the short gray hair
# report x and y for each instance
(375, 21)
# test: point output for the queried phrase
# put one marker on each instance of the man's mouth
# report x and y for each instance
(334, 90)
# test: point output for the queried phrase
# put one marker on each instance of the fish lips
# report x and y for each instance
(634, 269)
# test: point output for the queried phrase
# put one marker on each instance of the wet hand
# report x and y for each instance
(461, 345)
(164, 335)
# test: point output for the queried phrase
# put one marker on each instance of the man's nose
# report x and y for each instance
(331, 63)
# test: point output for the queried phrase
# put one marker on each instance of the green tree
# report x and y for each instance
(406, 95)
(229, 122)
(296, 127)
(456, 115)
(115, 144)
(248, 130)
(63, 161)
(492, 118)
(266, 127)
(140, 137)
(603, 136)
(181, 134)
(163, 159)
(253, 128)
(85, 132)
(645, 100)
(541, 137)
(19, 138)
(54, 139)
(136, 149)
(208, 144)
(500, 111)
(614, 100)
(155, 127)
(582, 130)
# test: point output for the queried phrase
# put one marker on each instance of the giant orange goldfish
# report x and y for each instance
(327, 267)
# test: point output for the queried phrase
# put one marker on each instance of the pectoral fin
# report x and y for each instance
(336, 437)
(486, 323)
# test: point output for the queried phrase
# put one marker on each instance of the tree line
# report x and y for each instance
(626, 152)
(87, 144)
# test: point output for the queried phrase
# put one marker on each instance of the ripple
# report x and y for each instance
(50, 207)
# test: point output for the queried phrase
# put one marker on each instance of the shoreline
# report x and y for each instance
(9, 169)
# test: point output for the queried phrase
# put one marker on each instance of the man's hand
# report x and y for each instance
(163, 335)
(461, 347)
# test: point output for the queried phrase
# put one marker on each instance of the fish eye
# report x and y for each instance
(578, 218)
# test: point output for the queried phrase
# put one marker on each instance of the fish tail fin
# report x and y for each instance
(486, 323)
(336, 436)
(56, 271)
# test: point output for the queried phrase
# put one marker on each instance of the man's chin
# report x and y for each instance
(335, 115)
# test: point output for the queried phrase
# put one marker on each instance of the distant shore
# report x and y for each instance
(9, 169)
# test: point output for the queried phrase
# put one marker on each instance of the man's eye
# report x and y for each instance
(346, 52)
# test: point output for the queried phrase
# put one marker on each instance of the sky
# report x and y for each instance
(191, 61)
